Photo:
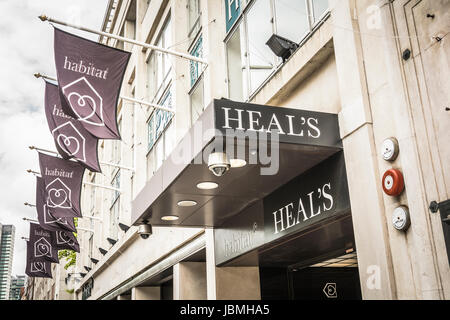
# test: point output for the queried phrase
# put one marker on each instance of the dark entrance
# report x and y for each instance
(312, 283)
(319, 264)
(324, 283)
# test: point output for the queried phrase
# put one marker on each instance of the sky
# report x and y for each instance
(27, 48)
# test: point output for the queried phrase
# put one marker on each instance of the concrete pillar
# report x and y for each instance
(238, 283)
(189, 281)
(124, 297)
(146, 293)
(356, 125)
(229, 283)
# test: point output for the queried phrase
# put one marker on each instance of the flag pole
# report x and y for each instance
(31, 220)
(105, 163)
(29, 204)
(84, 182)
(43, 76)
(43, 18)
(93, 218)
(101, 186)
(146, 103)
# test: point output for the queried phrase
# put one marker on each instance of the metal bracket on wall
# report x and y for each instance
(444, 207)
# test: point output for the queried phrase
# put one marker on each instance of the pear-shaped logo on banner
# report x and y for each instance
(38, 267)
(69, 138)
(63, 238)
(49, 219)
(58, 195)
(42, 248)
(88, 105)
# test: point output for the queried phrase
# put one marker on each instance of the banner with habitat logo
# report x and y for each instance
(43, 245)
(37, 269)
(62, 184)
(72, 140)
(45, 218)
(90, 77)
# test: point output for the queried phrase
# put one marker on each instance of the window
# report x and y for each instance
(116, 184)
(159, 65)
(159, 119)
(133, 121)
(151, 133)
(292, 19)
(160, 135)
(237, 81)
(91, 248)
(114, 220)
(115, 208)
(117, 146)
(196, 93)
(197, 101)
(250, 61)
(195, 67)
(193, 17)
(319, 8)
(92, 196)
(159, 91)
(152, 78)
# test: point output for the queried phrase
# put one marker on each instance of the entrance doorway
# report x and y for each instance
(332, 279)
(316, 264)
(336, 279)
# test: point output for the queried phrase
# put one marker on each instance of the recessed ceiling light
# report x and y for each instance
(238, 163)
(207, 185)
(186, 203)
(169, 218)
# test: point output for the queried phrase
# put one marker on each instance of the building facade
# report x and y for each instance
(17, 287)
(341, 79)
(6, 259)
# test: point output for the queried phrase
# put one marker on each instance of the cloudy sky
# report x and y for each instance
(27, 48)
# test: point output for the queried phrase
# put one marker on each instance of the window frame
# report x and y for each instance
(152, 115)
(246, 6)
(166, 78)
(195, 45)
(192, 30)
(114, 210)
(199, 82)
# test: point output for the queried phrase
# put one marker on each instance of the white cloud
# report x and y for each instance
(27, 48)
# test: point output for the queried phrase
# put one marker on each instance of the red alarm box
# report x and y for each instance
(393, 182)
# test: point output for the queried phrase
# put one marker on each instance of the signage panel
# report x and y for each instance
(317, 195)
(241, 234)
(293, 125)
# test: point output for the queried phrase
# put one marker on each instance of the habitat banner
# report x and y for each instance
(62, 185)
(72, 140)
(42, 244)
(66, 240)
(36, 269)
(45, 218)
(90, 76)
